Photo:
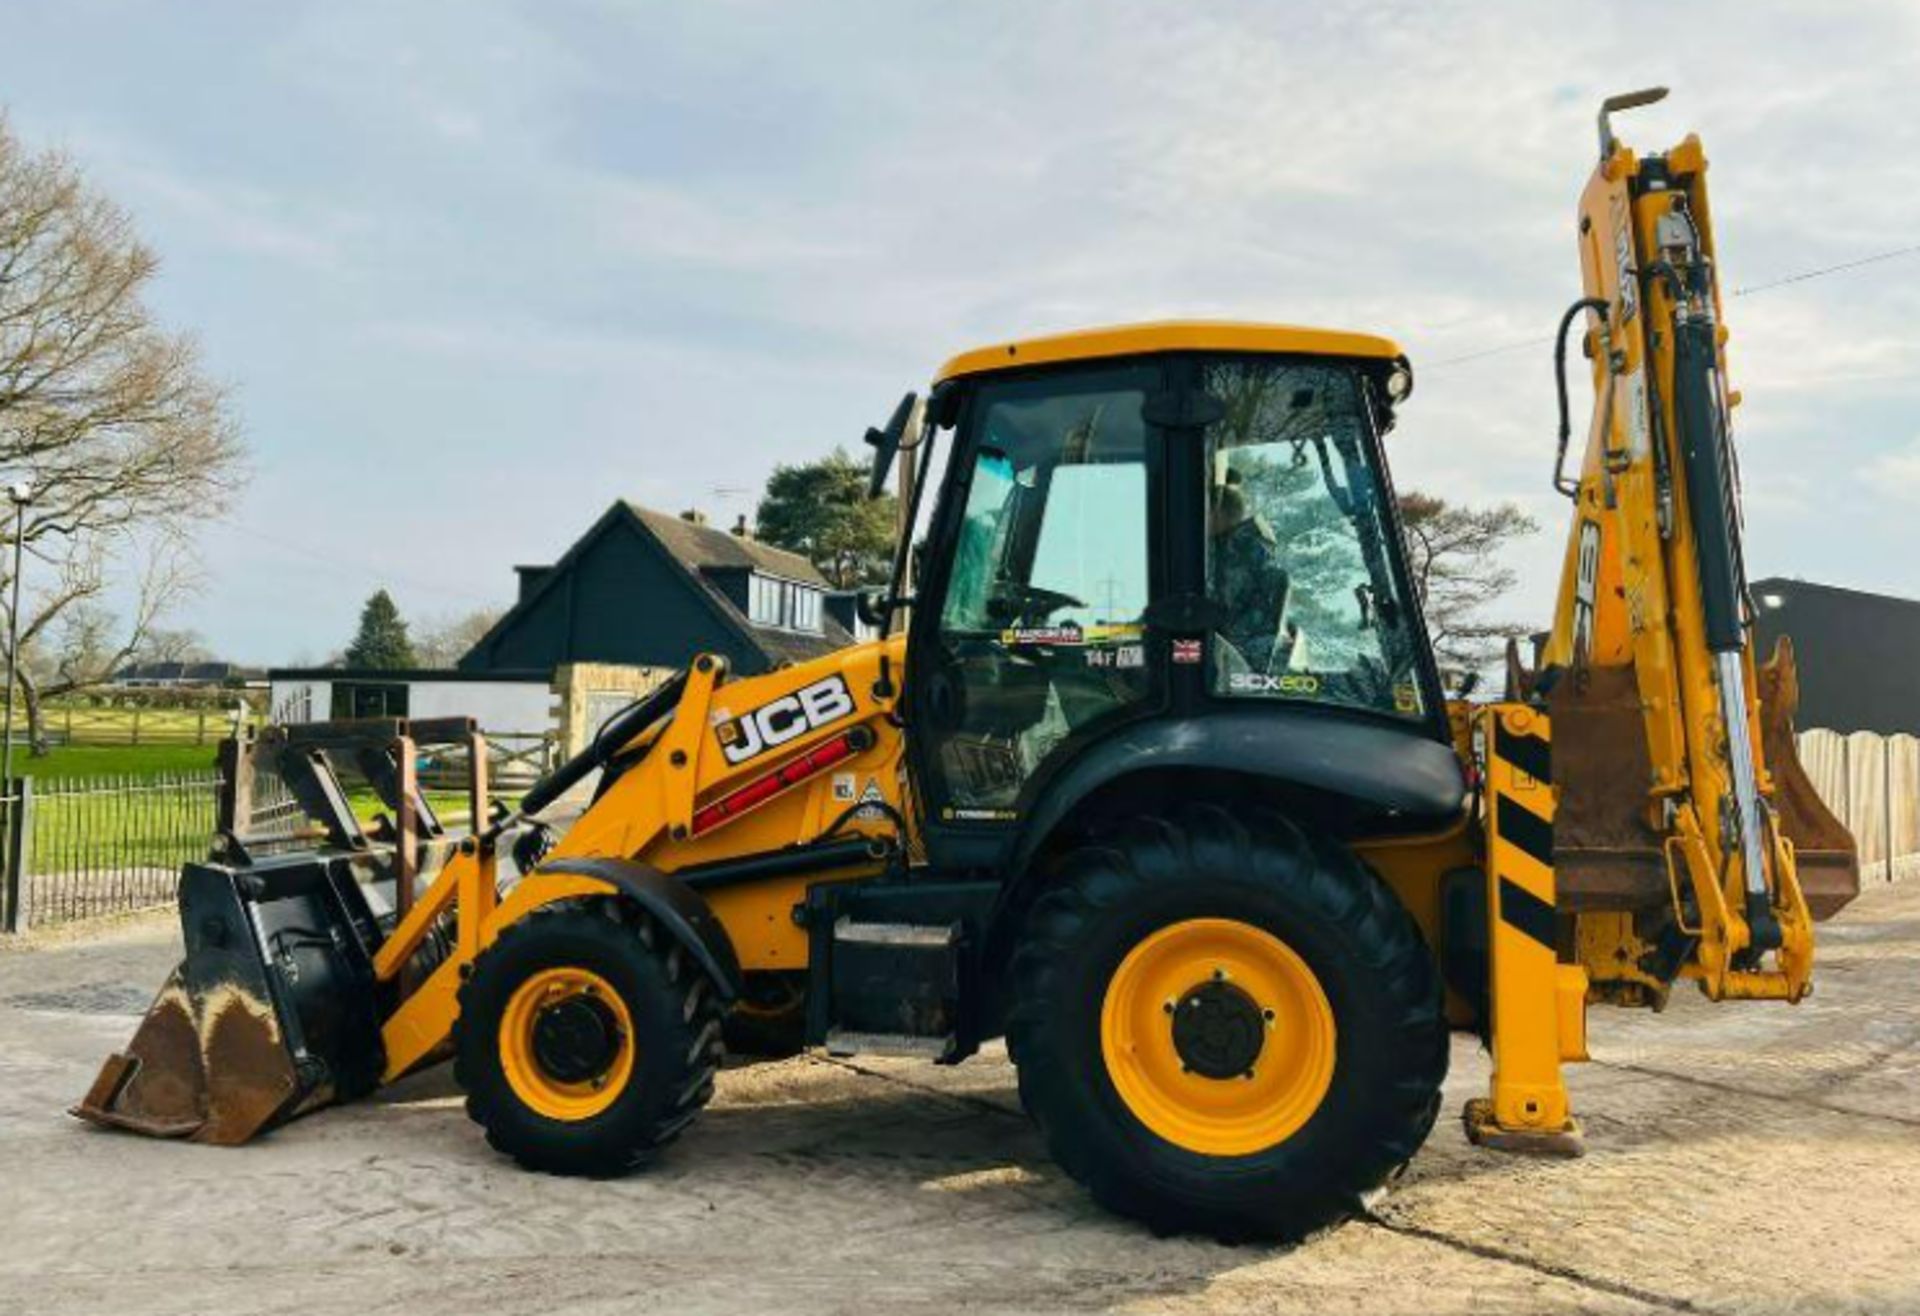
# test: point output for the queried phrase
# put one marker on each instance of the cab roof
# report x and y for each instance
(1169, 336)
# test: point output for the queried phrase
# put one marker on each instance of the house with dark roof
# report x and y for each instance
(650, 589)
(184, 674)
(1858, 654)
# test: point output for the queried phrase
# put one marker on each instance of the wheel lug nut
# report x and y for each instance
(1219, 975)
(1267, 1015)
(1168, 1007)
(1248, 1075)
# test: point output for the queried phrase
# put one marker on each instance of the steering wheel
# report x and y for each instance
(1033, 604)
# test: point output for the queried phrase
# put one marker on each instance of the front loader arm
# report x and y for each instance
(715, 771)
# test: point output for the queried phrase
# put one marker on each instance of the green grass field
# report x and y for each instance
(113, 760)
(110, 830)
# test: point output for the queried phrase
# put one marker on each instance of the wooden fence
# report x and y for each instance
(1872, 783)
(86, 724)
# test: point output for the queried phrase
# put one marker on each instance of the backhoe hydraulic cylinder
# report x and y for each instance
(1716, 535)
(1710, 497)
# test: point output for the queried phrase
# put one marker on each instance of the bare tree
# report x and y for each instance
(126, 443)
(443, 641)
(172, 645)
(1454, 555)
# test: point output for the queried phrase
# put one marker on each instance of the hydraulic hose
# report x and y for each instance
(1599, 306)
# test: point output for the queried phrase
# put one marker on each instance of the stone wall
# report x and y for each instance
(587, 694)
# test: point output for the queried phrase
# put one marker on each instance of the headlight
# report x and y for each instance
(1400, 381)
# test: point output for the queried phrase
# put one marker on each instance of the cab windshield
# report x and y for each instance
(1299, 543)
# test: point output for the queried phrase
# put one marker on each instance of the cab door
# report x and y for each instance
(1030, 637)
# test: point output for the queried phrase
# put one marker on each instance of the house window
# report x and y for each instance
(763, 601)
(368, 699)
(782, 603)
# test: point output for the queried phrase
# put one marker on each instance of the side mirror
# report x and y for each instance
(885, 443)
(870, 605)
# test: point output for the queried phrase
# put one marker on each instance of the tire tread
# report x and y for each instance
(1253, 848)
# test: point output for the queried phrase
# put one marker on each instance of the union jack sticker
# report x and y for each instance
(1186, 651)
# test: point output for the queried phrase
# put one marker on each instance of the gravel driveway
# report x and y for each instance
(1742, 1160)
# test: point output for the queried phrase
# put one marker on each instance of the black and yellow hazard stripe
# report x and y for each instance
(1534, 1002)
(1521, 801)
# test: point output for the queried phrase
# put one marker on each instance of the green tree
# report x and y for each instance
(382, 639)
(1457, 552)
(820, 510)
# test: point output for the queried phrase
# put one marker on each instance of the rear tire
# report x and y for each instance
(587, 1039)
(1349, 1060)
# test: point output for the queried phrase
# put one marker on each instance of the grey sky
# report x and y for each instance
(474, 270)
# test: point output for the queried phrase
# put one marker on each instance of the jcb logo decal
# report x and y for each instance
(774, 724)
(1627, 282)
(1586, 589)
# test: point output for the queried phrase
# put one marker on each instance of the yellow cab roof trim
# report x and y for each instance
(1169, 336)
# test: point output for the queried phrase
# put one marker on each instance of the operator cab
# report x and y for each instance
(1168, 547)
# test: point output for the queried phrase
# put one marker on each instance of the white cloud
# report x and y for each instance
(1896, 475)
(242, 217)
(669, 246)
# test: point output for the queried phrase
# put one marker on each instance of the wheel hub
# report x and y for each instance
(576, 1039)
(1218, 1036)
(1218, 1030)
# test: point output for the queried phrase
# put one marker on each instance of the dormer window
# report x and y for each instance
(763, 600)
(784, 603)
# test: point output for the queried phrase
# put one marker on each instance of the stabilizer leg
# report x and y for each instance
(1537, 1004)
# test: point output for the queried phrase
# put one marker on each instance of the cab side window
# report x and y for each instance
(1040, 632)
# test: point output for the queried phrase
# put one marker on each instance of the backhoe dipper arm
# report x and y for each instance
(1654, 585)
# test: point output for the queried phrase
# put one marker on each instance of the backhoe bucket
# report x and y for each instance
(1607, 853)
(272, 1013)
(1825, 853)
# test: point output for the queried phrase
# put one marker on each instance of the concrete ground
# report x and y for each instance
(1748, 1159)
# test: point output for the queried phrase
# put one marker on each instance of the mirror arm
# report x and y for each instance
(897, 597)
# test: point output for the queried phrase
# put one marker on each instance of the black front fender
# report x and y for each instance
(676, 906)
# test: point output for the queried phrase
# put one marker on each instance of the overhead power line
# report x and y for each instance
(1841, 268)
(1803, 276)
(335, 563)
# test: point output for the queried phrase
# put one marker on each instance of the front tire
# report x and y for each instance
(1223, 1027)
(586, 1040)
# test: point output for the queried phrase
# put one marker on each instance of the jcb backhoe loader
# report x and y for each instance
(1155, 779)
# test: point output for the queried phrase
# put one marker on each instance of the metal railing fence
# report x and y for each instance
(79, 847)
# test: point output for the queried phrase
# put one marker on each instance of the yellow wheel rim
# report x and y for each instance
(1252, 999)
(541, 1090)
